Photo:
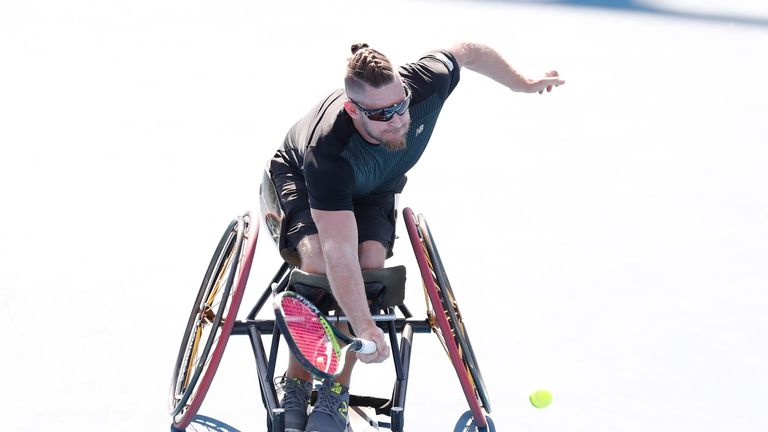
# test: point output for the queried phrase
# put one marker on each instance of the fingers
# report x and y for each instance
(551, 81)
(381, 354)
(382, 347)
(548, 89)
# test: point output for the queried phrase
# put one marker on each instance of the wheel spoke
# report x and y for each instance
(210, 323)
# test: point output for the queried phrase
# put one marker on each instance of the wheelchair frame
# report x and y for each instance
(233, 259)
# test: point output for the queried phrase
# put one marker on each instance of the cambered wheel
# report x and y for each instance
(445, 318)
(458, 327)
(211, 320)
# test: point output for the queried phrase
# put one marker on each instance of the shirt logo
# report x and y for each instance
(419, 129)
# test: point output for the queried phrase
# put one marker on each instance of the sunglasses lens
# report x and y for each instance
(380, 115)
(400, 110)
(386, 114)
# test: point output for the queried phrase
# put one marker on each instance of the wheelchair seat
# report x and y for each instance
(384, 288)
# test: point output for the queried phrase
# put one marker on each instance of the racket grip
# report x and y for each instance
(364, 346)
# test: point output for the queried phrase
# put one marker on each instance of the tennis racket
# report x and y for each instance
(312, 339)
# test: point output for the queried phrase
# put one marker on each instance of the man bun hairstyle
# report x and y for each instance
(367, 66)
(358, 46)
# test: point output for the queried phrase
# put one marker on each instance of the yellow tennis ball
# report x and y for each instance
(540, 398)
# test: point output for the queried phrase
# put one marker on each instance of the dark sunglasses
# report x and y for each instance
(386, 114)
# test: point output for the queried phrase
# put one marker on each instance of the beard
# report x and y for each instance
(394, 145)
(393, 141)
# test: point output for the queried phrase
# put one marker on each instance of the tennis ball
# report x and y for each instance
(540, 398)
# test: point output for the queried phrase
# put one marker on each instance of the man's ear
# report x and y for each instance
(351, 109)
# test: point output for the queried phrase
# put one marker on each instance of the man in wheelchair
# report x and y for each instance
(333, 183)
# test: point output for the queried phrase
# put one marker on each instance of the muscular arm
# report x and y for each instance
(486, 61)
(338, 238)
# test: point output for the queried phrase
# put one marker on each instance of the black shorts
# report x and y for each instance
(375, 214)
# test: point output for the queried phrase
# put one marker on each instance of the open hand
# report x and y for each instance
(551, 79)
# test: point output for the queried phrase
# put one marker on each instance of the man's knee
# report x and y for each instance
(311, 253)
(372, 255)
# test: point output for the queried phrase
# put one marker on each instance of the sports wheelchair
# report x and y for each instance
(214, 312)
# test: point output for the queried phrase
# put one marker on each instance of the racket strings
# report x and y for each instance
(310, 336)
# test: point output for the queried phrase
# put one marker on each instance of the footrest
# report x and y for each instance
(358, 401)
(367, 401)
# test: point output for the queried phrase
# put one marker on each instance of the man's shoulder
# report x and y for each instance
(435, 73)
(445, 57)
(326, 124)
(333, 129)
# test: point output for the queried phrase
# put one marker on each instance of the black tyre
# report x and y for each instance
(211, 320)
(454, 315)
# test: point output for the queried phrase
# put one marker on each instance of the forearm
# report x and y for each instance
(338, 240)
(487, 61)
(345, 277)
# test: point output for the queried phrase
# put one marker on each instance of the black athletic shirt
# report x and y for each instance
(338, 165)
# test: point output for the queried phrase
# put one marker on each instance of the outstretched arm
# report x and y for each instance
(486, 61)
(338, 238)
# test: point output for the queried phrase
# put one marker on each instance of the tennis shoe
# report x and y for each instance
(331, 409)
(295, 400)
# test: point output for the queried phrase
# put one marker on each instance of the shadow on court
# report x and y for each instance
(202, 423)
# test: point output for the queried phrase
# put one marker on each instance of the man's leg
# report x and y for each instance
(372, 256)
(297, 379)
(311, 262)
(332, 408)
(377, 229)
(295, 387)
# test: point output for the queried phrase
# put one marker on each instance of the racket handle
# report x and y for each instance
(364, 346)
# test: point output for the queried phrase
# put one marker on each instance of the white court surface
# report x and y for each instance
(607, 241)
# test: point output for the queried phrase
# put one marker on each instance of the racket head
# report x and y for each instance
(309, 336)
